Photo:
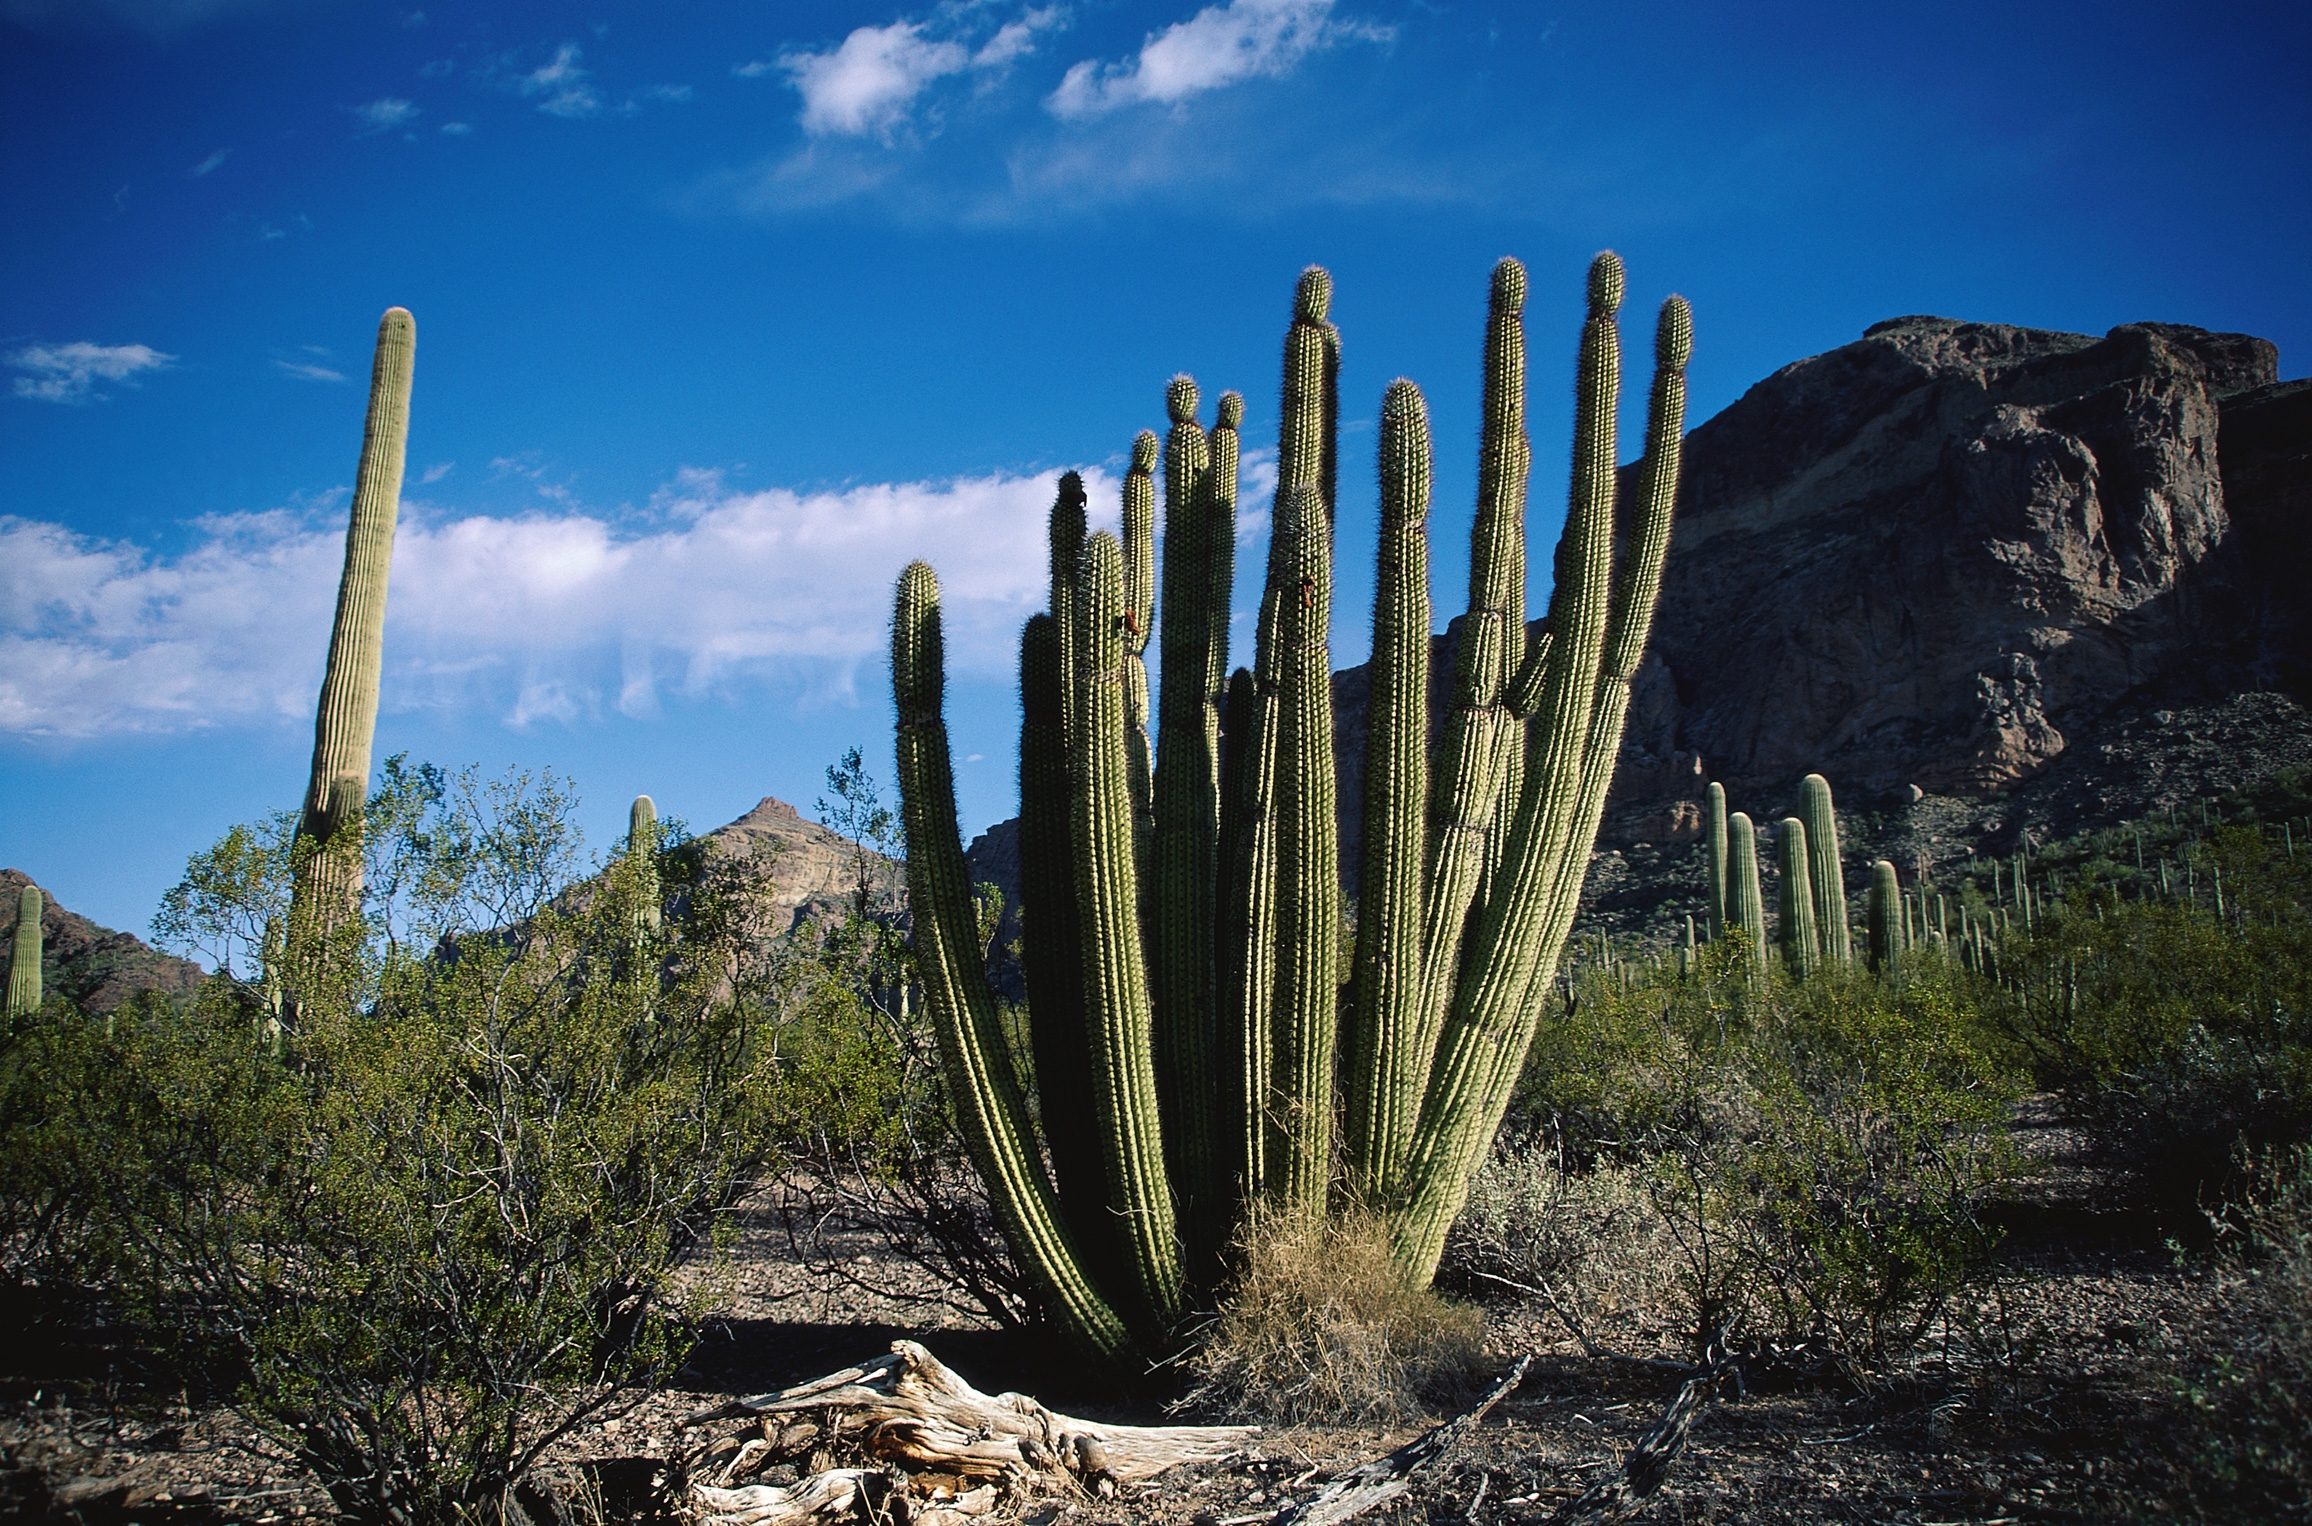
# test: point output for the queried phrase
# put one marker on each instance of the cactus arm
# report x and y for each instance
(1745, 905)
(1139, 552)
(1248, 926)
(1118, 1018)
(1051, 951)
(328, 884)
(1187, 845)
(1308, 866)
(1384, 1076)
(642, 852)
(990, 1110)
(24, 989)
(1799, 950)
(1481, 733)
(1825, 874)
(1304, 444)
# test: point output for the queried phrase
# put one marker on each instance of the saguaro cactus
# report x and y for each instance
(1824, 874)
(642, 852)
(1714, 845)
(1185, 995)
(329, 871)
(24, 962)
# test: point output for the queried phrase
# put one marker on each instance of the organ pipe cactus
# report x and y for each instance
(1825, 876)
(1190, 1029)
(328, 885)
(24, 994)
(1800, 949)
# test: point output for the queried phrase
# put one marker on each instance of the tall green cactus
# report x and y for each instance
(1745, 903)
(1825, 874)
(328, 886)
(1801, 950)
(1714, 847)
(24, 962)
(1186, 999)
(642, 853)
(1886, 919)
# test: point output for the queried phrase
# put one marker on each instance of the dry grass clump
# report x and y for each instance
(1320, 1326)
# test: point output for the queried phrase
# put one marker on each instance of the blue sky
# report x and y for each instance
(726, 311)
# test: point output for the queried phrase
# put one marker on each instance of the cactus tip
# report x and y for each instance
(1072, 490)
(1674, 335)
(1508, 286)
(1180, 398)
(1606, 284)
(1231, 410)
(1144, 452)
(1313, 297)
(1402, 400)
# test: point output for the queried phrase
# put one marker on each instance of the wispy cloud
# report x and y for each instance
(437, 471)
(386, 113)
(1220, 45)
(869, 83)
(209, 164)
(72, 373)
(456, 129)
(561, 88)
(306, 371)
(545, 617)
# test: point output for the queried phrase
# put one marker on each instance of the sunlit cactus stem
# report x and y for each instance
(24, 992)
(328, 886)
(1746, 904)
(1886, 919)
(1799, 947)
(642, 854)
(1825, 874)
(1714, 846)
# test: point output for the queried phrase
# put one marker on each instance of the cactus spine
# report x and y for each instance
(328, 886)
(1801, 947)
(1825, 875)
(1746, 906)
(1468, 892)
(24, 993)
(1886, 919)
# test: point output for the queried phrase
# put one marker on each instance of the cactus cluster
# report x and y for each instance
(1811, 928)
(328, 882)
(1195, 1049)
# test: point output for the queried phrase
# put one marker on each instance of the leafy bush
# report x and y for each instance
(2180, 1033)
(1813, 1154)
(443, 1224)
(1320, 1324)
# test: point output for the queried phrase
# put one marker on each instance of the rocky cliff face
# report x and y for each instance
(813, 869)
(93, 967)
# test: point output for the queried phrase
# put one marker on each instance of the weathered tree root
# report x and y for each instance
(940, 1449)
(1623, 1495)
(1384, 1478)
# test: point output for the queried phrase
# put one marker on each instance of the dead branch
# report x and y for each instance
(1648, 1464)
(1384, 1478)
(952, 1448)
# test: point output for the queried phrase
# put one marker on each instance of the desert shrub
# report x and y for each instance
(2250, 1432)
(1815, 1154)
(2180, 1034)
(441, 1224)
(1318, 1324)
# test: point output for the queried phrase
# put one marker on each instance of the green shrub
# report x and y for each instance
(443, 1225)
(1815, 1153)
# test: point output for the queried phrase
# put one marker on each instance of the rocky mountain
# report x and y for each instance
(813, 868)
(93, 967)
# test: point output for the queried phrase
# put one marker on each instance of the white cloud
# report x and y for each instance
(561, 88)
(456, 129)
(869, 82)
(546, 617)
(437, 471)
(1220, 45)
(69, 373)
(305, 371)
(386, 113)
(208, 164)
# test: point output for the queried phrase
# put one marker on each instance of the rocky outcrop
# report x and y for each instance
(2265, 451)
(1938, 554)
(814, 869)
(94, 968)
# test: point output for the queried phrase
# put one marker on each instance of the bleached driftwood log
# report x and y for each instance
(942, 1449)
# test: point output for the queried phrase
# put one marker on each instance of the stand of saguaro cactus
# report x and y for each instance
(1184, 951)
(24, 993)
(328, 884)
